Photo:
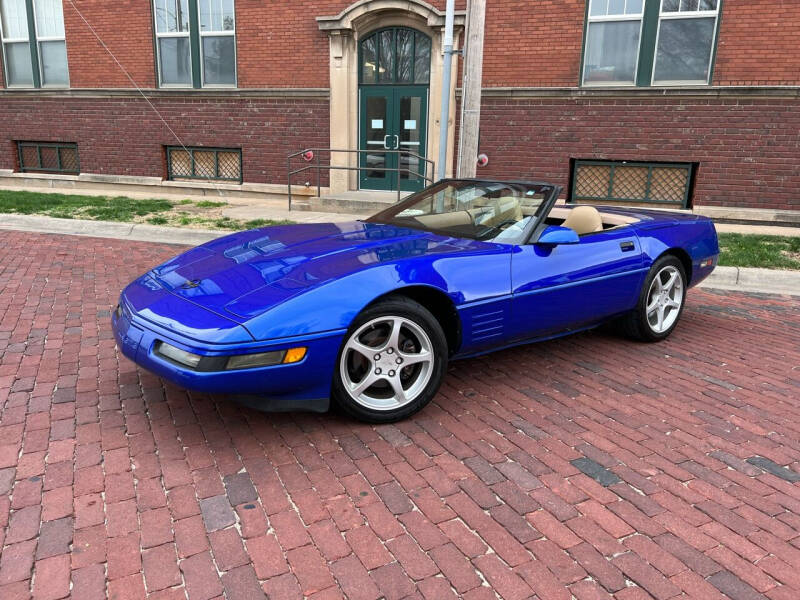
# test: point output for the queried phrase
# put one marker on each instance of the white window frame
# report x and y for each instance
(5, 41)
(222, 33)
(39, 41)
(170, 35)
(200, 35)
(675, 15)
(612, 19)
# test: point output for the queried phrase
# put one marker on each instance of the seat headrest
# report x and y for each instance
(584, 219)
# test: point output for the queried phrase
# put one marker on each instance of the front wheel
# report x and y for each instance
(660, 302)
(391, 363)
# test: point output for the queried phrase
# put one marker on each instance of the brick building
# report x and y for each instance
(673, 102)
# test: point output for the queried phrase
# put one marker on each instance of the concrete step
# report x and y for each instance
(361, 201)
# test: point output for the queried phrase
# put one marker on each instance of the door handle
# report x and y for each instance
(396, 142)
(626, 246)
(386, 137)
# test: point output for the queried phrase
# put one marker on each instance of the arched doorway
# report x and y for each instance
(393, 77)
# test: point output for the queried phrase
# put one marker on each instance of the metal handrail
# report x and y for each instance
(318, 167)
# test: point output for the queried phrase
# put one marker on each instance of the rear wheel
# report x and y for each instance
(660, 302)
(391, 363)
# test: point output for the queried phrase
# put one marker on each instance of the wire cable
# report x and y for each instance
(139, 89)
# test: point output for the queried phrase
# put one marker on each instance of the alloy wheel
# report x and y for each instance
(664, 299)
(387, 363)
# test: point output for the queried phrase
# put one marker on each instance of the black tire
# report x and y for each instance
(636, 324)
(413, 315)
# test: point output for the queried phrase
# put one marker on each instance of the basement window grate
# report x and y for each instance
(206, 164)
(631, 183)
(48, 157)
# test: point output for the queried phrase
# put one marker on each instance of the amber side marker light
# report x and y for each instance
(294, 355)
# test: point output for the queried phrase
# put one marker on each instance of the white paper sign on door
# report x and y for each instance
(410, 124)
(377, 123)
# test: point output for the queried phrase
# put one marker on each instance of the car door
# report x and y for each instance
(571, 286)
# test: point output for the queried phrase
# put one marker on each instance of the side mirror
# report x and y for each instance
(553, 236)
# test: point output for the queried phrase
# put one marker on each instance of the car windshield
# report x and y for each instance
(480, 210)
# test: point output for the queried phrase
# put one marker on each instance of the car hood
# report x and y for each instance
(241, 276)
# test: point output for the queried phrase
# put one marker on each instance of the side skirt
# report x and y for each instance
(534, 340)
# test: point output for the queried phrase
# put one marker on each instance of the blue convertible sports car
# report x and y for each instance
(368, 313)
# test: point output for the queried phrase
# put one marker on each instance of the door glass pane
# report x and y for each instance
(375, 128)
(14, 16)
(405, 55)
(422, 59)
(217, 15)
(611, 52)
(49, 18)
(369, 60)
(386, 56)
(176, 61)
(684, 49)
(172, 16)
(219, 60)
(53, 56)
(410, 138)
(18, 64)
(670, 5)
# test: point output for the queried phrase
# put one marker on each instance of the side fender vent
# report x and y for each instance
(488, 325)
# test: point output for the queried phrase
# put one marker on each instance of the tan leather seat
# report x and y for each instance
(445, 220)
(584, 219)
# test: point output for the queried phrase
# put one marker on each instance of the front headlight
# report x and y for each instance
(229, 363)
(266, 359)
(179, 356)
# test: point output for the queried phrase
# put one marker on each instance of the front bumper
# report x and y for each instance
(305, 384)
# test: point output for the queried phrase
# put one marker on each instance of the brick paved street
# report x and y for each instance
(587, 467)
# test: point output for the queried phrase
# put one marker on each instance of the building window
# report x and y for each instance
(612, 42)
(649, 42)
(46, 157)
(208, 164)
(638, 183)
(196, 42)
(34, 46)
(397, 55)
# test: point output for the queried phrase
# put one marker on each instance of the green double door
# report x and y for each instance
(393, 118)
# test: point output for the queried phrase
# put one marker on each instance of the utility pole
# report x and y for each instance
(448, 65)
(471, 89)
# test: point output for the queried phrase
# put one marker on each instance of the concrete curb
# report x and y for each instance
(749, 279)
(767, 281)
(109, 229)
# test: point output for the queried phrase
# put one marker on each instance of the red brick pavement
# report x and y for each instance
(114, 484)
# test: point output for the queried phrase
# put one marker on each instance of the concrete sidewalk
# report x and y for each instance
(154, 233)
(725, 278)
(748, 279)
